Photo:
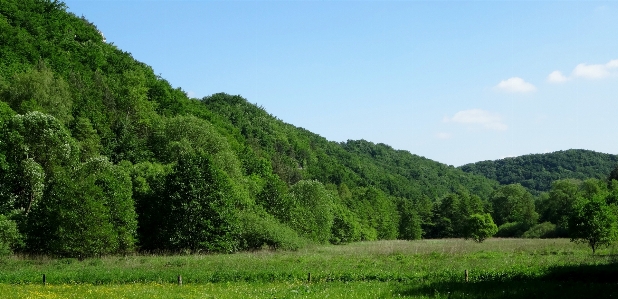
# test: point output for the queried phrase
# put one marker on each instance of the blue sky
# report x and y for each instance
(453, 81)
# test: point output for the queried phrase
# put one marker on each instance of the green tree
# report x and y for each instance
(312, 212)
(513, 203)
(40, 90)
(409, 220)
(480, 227)
(346, 226)
(9, 235)
(557, 205)
(593, 222)
(87, 211)
(89, 140)
(199, 207)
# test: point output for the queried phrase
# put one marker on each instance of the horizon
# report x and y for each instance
(456, 82)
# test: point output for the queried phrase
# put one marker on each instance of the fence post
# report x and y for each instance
(466, 273)
(309, 277)
(44, 280)
(179, 280)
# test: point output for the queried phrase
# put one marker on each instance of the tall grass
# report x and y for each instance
(498, 268)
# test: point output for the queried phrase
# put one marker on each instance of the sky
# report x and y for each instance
(453, 81)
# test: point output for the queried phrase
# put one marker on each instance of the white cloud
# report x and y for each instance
(612, 64)
(488, 120)
(586, 71)
(516, 84)
(443, 135)
(557, 77)
(191, 94)
(591, 71)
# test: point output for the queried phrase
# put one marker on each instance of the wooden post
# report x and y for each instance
(179, 280)
(44, 280)
(309, 277)
(466, 273)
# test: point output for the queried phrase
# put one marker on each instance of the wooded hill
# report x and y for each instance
(99, 155)
(537, 171)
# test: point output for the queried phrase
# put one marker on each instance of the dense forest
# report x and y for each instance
(98, 155)
(537, 172)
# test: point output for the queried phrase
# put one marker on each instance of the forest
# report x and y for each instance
(98, 155)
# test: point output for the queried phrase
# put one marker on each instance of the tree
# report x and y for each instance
(312, 212)
(86, 211)
(9, 235)
(480, 227)
(409, 220)
(40, 90)
(593, 221)
(613, 175)
(198, 207)
(558, 203)
(452, 212)
(513, 203)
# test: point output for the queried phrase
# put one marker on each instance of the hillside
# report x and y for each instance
(537, 171)
(99, 155)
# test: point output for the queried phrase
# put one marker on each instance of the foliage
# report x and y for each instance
(543, 231)
(536, 172)
(593, 221)
(198, 203)
(259, 229)
(480, 227)
(39, 90)
(312, 211)
(410, 222)
(513, 203)
(10, 237)
(85, 212)
(451, 214)
(511, 230)
(346, 225)
(99, 155)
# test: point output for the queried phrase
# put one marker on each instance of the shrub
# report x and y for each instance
(543, 230)
(511, 230)
(9, 236)
(480, 227)
(346, 227)
(259, 229)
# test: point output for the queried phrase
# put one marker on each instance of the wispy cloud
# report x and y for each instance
(486, 119)
(586, 71)
(515, 84)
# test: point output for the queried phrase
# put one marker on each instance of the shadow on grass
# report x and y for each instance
(587, 281)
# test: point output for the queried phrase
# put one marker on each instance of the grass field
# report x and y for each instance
(498, 268)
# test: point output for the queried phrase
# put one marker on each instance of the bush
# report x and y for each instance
(480, 227)
(259, 229)
(346, 227)
(511, 230)
(312, 214)
(543, 230)
(9, 236)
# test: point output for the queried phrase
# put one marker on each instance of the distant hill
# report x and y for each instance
(296, 153)
(537, 171)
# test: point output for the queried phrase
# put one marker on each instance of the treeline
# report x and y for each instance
(536, 172)
(100, 156)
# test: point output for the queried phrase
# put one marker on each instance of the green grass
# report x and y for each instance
(498, 268)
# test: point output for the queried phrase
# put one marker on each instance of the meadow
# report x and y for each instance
(498, 268)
